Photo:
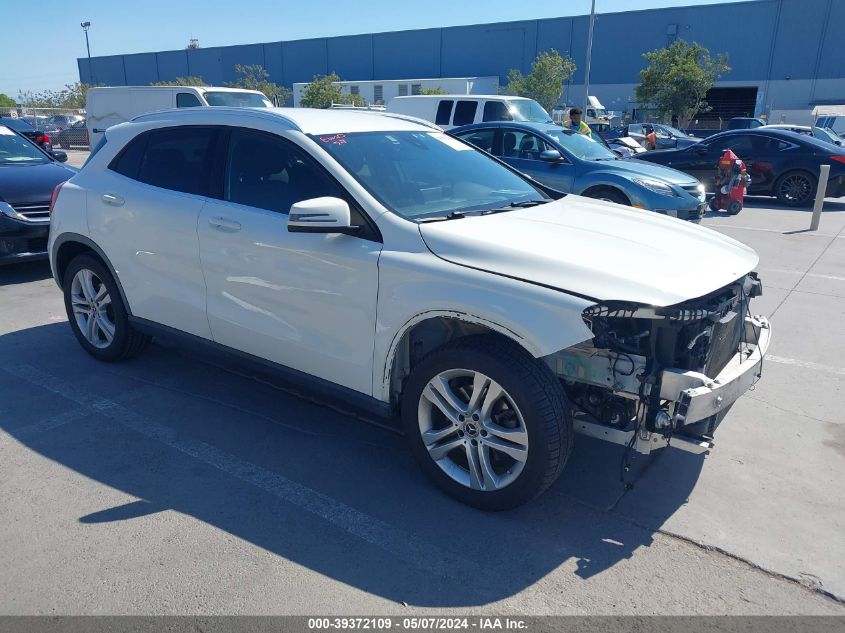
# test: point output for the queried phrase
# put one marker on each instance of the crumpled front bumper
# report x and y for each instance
(698, 397)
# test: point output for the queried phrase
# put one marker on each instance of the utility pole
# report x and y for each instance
(589, 57)
(85, 26)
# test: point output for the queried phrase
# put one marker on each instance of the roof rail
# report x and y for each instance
(261, 113)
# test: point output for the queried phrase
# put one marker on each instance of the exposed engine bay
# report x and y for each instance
(651, 374)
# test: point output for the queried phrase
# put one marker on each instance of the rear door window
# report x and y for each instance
(465, 112)
(482, 139)
(444, 112)
(179, 159)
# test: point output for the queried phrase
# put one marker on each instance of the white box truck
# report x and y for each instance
(105, 107)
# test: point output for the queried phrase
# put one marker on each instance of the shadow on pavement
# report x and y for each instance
(305, 482)
(25, 273)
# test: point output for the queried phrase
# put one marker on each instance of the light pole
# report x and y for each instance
(85, 26)
(589, 58)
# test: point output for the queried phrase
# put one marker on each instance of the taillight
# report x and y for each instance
(838, 159)
(54, 196)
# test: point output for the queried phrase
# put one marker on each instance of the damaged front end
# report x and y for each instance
(651, 374)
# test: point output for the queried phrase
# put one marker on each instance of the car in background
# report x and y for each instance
(58, 122)
(745, 123)
(448, 111)
(572, 163)
(781, 163)
(107, 106)
(665, 136)
(74, 136)
(39, 137)
(816, 132)
(28, 177)
(38, 121)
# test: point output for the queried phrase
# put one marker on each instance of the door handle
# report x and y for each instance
(113, 199)
(223, 224)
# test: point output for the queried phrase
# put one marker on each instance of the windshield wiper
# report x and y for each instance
(452, 215)
(523, 204)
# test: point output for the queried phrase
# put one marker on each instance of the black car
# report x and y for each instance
(75, 135)
(745, 123)
(39, 137)
(28, 176)
(780, 163)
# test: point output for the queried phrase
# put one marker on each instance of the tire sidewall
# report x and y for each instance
(530, 481)
(121, 319)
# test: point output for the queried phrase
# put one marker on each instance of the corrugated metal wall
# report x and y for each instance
(776, 40)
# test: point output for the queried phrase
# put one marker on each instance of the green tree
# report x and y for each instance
(190, 80)
(322, 92)
(72, 96)
(6, 101)
(677, 79)
(433, 91)
(256, 77)
(545, 81)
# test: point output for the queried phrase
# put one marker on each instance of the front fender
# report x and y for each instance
(414, 287)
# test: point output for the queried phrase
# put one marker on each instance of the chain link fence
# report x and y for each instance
(65, 126)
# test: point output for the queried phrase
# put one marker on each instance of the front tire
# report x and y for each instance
(96, 312)
(608, 194)
(487, 422)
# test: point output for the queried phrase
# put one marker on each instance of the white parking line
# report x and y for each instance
(370, 529)
(798, 272)
(806, 364)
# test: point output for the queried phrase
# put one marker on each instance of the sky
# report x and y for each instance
(43, 55)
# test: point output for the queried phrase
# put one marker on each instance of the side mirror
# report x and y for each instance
(59, 155)
(321, 215)
(551, 156)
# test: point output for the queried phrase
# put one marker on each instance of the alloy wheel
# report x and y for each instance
(92, 308)
(796, 188)
(472, 429)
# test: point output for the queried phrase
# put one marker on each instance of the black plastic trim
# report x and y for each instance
(322, 391)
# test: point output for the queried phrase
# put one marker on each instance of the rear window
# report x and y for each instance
(465, 112)
(444, 112)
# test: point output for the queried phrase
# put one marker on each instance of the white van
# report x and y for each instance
(105, 107)
(450, 111)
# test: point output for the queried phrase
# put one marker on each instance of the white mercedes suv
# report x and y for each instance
(392, 266)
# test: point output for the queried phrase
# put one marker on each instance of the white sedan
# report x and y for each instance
(387, 264)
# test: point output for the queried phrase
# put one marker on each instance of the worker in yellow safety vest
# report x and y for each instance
(576, 124)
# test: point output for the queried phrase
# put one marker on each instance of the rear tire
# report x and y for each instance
(487, 422)
(795, 188)
(96, 312)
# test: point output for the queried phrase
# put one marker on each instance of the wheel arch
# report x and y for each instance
(598, 186)
(67, 246)
(427, 331)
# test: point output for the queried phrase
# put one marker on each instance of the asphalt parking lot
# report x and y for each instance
(179, 484)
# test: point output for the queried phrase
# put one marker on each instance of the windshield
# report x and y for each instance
(826, 135)
(427, 174)
(580, 146)
(668, 129)
(237, 99)
(528, 110)
(16, 149)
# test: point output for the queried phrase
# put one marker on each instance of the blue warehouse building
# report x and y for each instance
(784, 54)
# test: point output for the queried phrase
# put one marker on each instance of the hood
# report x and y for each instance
(596, 249)
(23, 184)
(635, 167)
